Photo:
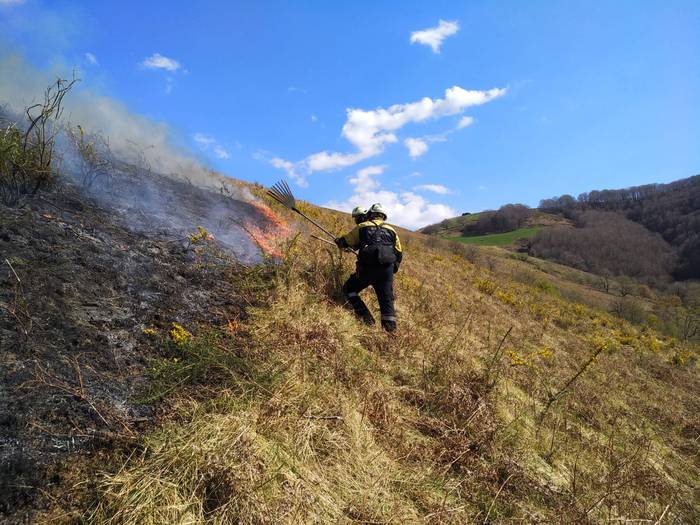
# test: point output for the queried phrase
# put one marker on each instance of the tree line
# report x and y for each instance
(507, 218)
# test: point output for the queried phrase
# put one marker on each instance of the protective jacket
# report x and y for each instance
(378, 259)
(377, 243)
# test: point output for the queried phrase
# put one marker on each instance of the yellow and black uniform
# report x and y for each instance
(378, 259)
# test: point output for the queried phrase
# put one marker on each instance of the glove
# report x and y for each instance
(340, 242)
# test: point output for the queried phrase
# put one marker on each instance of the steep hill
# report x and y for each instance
(672, 210)
(154, 378)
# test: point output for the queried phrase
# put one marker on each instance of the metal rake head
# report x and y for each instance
(281, 193)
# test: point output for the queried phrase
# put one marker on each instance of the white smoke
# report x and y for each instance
(130, 135)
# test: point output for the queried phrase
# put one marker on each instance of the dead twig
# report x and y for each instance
(13, 270)
(658, 522)
(486, 519)
(496, 357)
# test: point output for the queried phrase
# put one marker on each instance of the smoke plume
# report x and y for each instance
(153, 184)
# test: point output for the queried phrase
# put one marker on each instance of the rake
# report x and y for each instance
(281, 193)
(332, 243)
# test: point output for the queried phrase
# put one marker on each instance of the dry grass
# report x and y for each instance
(498, 401)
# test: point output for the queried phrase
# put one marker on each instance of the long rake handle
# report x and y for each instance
(314, 223)
(332, 243)
(322, 240)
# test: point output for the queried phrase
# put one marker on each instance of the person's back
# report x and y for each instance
(379, 257)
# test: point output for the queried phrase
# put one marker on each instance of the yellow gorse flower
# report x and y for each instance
(179, 334)
(201, 235)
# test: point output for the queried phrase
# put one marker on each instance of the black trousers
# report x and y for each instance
(381, 278)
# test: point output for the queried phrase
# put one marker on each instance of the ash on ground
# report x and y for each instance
(83, 273)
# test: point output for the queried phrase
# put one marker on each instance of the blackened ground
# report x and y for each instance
(80, 279)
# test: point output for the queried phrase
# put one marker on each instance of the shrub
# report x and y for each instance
(629, 309)
(95, 156)
(27, 156)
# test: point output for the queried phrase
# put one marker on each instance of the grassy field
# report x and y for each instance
(498, 239)
(498, 401)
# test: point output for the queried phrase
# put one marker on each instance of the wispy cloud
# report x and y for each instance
(90, 58)
(220, 152)
(208, 143)
(370, 131)
(464, 122)
(9, 3)
(435, 36)
(406, 208)
(434, 188)
(158, 61)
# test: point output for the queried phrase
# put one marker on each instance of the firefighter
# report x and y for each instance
(359, 214)
(378, 259)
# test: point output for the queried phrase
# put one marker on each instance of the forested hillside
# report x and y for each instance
(672, 210)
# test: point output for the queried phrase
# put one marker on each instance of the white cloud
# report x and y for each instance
(464, 122)
(206, 142)
(482, 187)
(314, 118)
(158, 61)
(220, 152)
(434, 36)
(435, 188)
(9, 3)
(363, 181)
(416, 147)
(91, 59)
(371, 130)
(406, 209)
(291, 169)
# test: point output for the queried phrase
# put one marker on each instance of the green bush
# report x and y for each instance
(629, 309)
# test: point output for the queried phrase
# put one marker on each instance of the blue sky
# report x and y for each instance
(561, 97)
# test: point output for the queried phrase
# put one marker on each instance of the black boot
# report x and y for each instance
(389, 326)
(367, 318)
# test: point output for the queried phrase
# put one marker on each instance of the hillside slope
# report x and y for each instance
(497, 401)
(454, 227)
(672, 210)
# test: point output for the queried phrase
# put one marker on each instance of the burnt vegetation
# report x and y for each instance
(27, 152)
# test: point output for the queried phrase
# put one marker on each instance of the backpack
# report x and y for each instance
(377, 246)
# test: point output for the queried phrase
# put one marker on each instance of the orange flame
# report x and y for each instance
(268, 235)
